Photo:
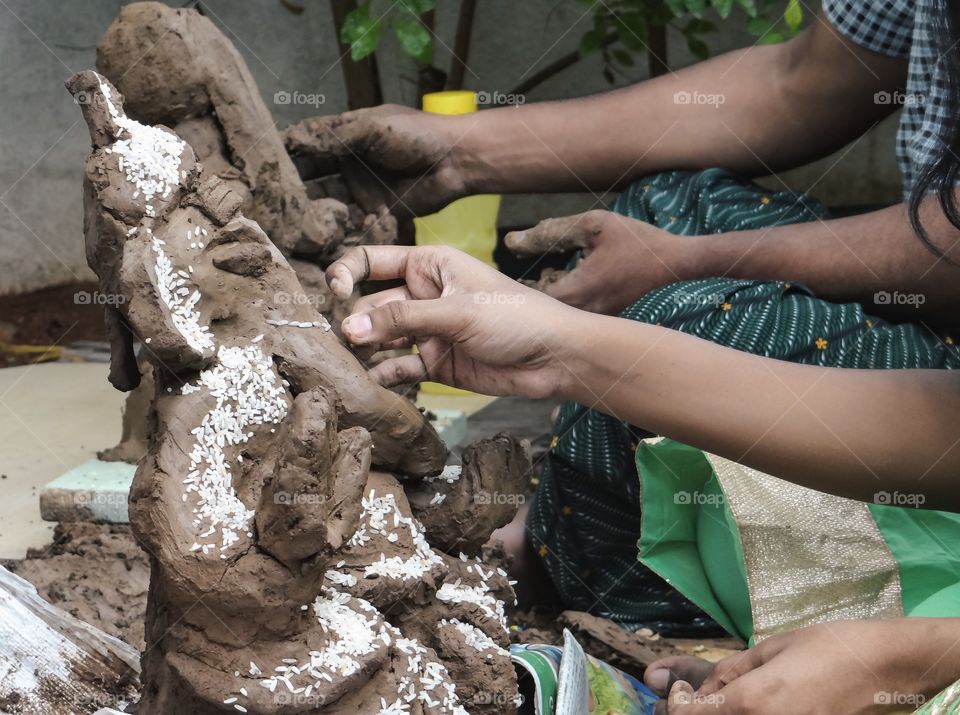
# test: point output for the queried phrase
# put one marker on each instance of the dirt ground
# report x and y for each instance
(99, 574)
(95, 572)
(55, 316)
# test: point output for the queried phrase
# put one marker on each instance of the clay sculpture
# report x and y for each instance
(287, 576)
(176, 68)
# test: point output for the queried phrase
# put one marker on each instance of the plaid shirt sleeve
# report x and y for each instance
(883, 26)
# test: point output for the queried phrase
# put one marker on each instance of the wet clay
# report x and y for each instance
(176, 68)
(287, 576)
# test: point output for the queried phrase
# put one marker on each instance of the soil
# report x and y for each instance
(95, 572)
(54, 316)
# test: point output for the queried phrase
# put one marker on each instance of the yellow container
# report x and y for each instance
(470, 223)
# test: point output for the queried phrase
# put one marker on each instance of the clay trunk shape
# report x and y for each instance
(175, 67)
(286, 576)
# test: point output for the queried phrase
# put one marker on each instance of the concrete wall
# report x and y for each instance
(43, 141)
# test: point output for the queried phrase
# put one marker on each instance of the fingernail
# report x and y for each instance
(358, 326)
(681, 693)
(338, 284)
(658, 680)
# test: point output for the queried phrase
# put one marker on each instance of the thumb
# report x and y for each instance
(405, 319)
(681, 695)
(555, 235)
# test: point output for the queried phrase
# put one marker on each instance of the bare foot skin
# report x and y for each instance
(661, 675)
(533, 586)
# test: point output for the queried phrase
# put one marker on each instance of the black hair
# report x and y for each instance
(939, 176)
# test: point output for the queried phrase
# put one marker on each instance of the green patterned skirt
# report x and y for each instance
(585, 519)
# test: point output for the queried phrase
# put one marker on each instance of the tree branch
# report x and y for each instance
(461, 44)
(556, 67)
(362, 79)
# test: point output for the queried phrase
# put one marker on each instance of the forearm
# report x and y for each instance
(865, 258)
(930, 650)
(848, 432)
(755, 110)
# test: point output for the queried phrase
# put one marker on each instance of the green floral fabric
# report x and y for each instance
(585, 518)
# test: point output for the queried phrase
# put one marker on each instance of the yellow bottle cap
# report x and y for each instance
(454, 102)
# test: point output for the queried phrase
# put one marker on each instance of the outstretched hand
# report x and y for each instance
(409, 161)
(623, 259)
(473, 327)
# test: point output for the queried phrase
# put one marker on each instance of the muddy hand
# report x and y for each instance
(474, 327)
(390, 155)
(623, 259)
(840, 667)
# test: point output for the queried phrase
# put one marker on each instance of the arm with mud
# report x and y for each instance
(754, 111)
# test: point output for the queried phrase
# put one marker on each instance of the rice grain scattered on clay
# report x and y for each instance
(257, 489)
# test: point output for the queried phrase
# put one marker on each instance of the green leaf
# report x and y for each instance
(623, 57)
(590, 42)
(417, 7)
(793, 15)
(700, 27)
(414, 38)
(723, 7)
(632, 31)
(760, 26)
(749, 7)
(361, 32)
(772, 38)
(698, 47)
(677, 7)
(696, 7)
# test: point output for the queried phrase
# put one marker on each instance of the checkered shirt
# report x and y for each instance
(902, 28)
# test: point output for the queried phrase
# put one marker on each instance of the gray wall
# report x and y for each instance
(43, 141)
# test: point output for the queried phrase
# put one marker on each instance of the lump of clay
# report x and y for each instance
(176, 68)
(464, 504)
(286, 576)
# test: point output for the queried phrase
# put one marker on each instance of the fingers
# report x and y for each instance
(683, 700)
(404, 370)
(405, 319)
(375, 300)
(681, 694)
(366, 262)
(662, 674)
(579, 287)
(325, 136)
(729, 669)
(568, 288)
(556, 235)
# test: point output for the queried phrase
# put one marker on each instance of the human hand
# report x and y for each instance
(838, 668)
(624, 259)
(473, 327)
(410, 161)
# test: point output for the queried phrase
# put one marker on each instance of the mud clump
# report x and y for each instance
(289, 570)
(175, 67)
(94, 572)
